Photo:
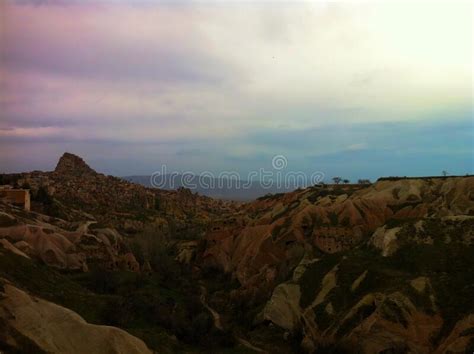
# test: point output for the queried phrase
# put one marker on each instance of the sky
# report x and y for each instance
(354, 89)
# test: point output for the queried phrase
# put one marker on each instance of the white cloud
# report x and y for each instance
(211, 72)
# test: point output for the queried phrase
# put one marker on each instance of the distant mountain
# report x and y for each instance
(220, 188)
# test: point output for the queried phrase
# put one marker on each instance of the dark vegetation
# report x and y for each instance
(27, 346)
(270, 196)
(361, 314)
(43, 202)
(311, 280)
(10, 179)
(166, 313)
(396, 178)
(448, 265)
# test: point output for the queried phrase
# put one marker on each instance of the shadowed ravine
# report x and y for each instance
(218, 323)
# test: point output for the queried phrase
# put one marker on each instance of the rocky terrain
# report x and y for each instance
(42, 326)
(74, 191)
(62, 244)
(381, 268)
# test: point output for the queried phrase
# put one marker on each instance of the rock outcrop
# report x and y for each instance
(283, 308)
(44, 327)
(62, 244)
(70, 164)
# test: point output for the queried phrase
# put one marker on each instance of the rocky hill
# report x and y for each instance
(70, 164)
(75, 191)
(89, 243)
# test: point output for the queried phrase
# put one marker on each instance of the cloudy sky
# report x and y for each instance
(353, 89)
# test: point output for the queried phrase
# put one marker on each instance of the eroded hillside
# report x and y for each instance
(375, 268)
(378, 268)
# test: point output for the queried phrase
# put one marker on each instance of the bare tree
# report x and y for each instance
(337, 180)
(445, 173)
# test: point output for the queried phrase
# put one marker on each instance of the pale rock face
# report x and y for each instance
(358, 281)
(283, 308)
(24, 247)
(51, 247)
(31, 236)
(420, 284)
(186, 251)
(55, 329)
(328, 283)
(386, 240)
(300, 269)
(329, 309)
(12, 248)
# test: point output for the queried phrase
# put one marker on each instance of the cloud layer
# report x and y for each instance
(202, 86)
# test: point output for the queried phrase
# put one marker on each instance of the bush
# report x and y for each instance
(42, 196)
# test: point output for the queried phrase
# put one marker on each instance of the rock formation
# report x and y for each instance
(330, 220)
(345, 251)
(70, 164)
(378, 268)
(42, 326)
(62, 244)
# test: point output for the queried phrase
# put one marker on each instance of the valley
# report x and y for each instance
(379, 268)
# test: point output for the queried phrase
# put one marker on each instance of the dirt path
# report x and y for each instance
(218, 323)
